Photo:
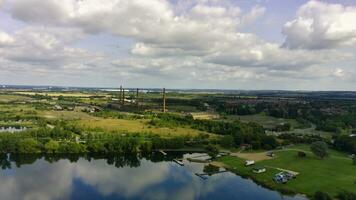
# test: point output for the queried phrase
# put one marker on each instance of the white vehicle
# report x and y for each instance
(249, 162)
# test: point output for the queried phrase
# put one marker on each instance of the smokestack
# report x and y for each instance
(120, 94)
(137, 99)
(164, 100)
(123, 96)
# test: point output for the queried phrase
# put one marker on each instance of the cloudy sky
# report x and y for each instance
(230, 44)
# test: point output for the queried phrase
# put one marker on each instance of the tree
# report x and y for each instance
(51, 146)
(96, 147)
(269, 142)
(227, 141)
(212, 151)
(320, 149)
(321, 196)
(28, 145)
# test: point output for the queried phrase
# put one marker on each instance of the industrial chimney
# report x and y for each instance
(137, 98)
(120, 94)
(164, 100)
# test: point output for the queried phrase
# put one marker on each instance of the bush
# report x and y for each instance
(71, 147)
(321, 196)
(346, 196)
(51, 146)
(96, 147)
(302, 154)
(28, 145)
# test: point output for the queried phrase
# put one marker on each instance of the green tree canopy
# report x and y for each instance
(51, 146)
(320, 149)
(29, 145)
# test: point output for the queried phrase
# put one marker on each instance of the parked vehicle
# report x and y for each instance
(279, 178)
(288, 175)
(249, 162)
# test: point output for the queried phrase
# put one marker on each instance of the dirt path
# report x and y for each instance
(285, 170)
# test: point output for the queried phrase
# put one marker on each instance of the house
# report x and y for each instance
(258, 170)
(249, 162)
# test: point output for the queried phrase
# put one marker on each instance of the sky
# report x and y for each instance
(207, 44)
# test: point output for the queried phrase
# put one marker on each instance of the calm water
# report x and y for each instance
(30, 177)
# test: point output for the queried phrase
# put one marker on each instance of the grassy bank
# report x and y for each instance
(332, 175)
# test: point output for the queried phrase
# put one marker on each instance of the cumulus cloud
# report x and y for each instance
(320, 25)
(184, 40)
(43, 46)
(5, 39)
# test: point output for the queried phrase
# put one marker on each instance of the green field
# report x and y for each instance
(264, 120)
(331, 175)
(5, 98)
(134, 126)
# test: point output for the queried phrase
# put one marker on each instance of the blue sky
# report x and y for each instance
(240, 44)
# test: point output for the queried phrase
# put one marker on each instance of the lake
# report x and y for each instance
(120, 177)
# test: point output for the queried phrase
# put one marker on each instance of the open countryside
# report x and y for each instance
(178, 100)
(225, 138)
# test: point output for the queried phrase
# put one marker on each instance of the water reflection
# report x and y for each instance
(118, 177)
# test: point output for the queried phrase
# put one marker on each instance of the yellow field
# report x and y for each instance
(69, 115)
(113, 125)
(8, 98)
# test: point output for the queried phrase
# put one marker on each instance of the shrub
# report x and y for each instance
(321, 196)
(51, 146)
(302, 154)
(346, 196)
(28, 145)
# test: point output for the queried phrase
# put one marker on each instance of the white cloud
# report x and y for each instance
(320, 25)
(339, 72)
(44, 47)
(5, 39)
(173, 42)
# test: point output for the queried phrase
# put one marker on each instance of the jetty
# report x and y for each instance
(179, 161)
(162, 152)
